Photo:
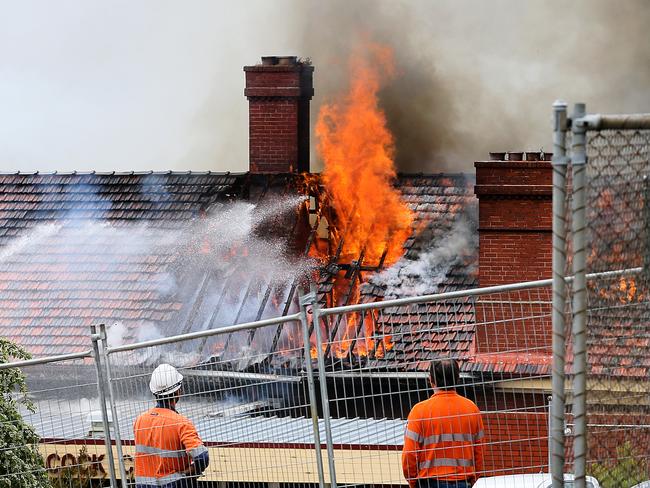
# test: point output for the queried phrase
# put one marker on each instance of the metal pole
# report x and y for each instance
(646, 225)
(617, 122)
(102, 403)
(313, 399)
(557, 406)
(111, 400)
(579, 167)
(549, 424)
(323, 387)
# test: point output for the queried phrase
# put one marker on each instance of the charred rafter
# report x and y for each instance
(292, 289)
(226, 285)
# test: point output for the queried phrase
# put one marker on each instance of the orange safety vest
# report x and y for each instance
(443, 439)
(165, 442)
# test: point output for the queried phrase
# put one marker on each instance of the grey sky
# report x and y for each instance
(152, 84)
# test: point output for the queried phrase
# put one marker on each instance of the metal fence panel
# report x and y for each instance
(375, 358)
(251, 407)
(64, 393)
(606, 354)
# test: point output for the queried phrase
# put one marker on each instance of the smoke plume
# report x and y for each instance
(477, 76)
(158, 85)
(426, 272)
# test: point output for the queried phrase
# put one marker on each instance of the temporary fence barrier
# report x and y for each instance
(377, 366)
(601, 165)
(328, 405)
(335, 418)
(61, 402)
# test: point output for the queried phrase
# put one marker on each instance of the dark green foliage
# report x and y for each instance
(21, 465)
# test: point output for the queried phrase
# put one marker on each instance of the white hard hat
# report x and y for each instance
(165, 380)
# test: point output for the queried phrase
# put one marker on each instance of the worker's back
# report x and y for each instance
(442, 438)
(164, 441)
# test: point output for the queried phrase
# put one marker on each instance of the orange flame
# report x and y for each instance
(370, 219)
(623, 291)
(357, 149)
(628, 289)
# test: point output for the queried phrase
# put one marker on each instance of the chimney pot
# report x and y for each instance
(287, 60)
(497, 156)
(515, 156)
(533, 156)
(269, 60)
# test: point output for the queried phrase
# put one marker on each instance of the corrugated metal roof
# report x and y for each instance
(63, 420)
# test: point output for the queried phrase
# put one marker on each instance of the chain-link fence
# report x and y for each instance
(602, 341)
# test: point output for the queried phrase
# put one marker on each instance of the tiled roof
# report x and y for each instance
(443, 207)
(56, 279)
(60, 267)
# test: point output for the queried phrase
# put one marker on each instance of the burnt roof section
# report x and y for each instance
(443, 205)
(51, 293)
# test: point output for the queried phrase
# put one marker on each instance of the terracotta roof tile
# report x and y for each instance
(51, 293)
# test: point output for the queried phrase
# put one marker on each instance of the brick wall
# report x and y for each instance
(516, 429)
(515, 232)
(279, 96)
(516, 442)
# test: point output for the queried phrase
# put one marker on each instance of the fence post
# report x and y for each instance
(95, 337)
(557, 405)
(313, 398)
(111, 400)
(323, 386)
(579, 167)
(646, 225)
(549, 425)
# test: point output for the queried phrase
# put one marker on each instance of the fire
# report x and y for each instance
(357, 150)
(370, 222)
(628, 290)
(623, 291)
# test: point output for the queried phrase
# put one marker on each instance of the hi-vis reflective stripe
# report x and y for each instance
(197, 451)
(164, 453)
(433, 463)
(435, 439)
(413, 435)
(152, 481)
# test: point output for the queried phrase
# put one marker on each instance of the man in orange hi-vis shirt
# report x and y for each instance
(168, 451)
(443, 439)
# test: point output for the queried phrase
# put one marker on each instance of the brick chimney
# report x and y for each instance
(278, 92)
(515, 217)
(515, 244)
